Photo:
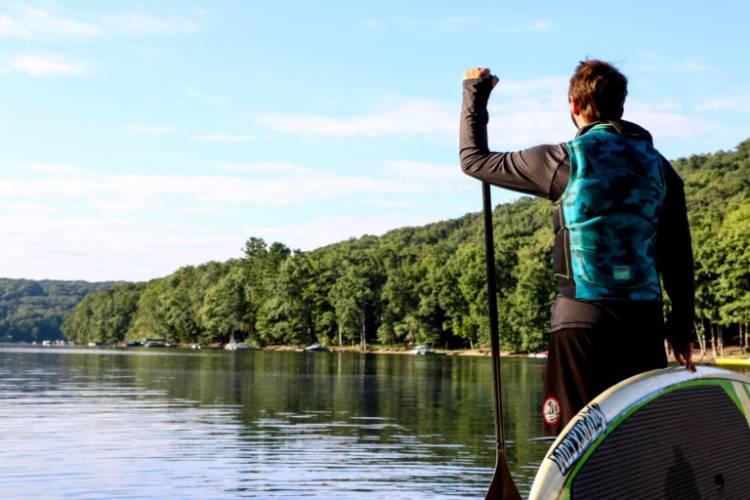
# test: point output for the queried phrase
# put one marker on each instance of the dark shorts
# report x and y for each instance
(583, 362)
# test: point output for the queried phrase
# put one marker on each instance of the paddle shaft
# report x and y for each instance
(489, 248)
(502, 485)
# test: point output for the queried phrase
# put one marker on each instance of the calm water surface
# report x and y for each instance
(91, 423)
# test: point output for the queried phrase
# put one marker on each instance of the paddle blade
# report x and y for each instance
(502, 486)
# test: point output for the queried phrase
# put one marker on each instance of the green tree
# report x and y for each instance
(355, 295)
(529, 302)
(286, 315)
(226, 312)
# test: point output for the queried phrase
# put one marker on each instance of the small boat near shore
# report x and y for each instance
(150, 343)
(422, 350)
(538, 355)
(233, 345)
(317, 348)
(239, 346)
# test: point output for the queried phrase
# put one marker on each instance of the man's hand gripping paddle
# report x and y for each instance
(472, 73)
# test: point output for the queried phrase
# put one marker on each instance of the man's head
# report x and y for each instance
(597, 92)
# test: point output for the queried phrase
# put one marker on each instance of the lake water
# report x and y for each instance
(100, 423)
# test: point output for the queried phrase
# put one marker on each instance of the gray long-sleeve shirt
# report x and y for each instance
(544, 171)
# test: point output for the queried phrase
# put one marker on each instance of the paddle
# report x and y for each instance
(502, 485)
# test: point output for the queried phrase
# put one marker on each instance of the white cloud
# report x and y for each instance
(441, 176)
(475, 24)
(543, 87)
(203, 211)
(103, 224)
(289, 184)
(522, 113)
(262, 168)
(523, 124)
(45, 21)
(672, 124)
(29, 21)
(319, 232)
(537, 26)
(224, 138)
(377, 202)
(149, 25)
(102, 248)
(453, 23)
(248, 185)
(406, 117)
(694, 66)
(372, 24)
(50, 168)
(31, 208)
(36, 65)
(111, 248)
(198, 95)
(150, 129)
(654, 62)
(528, 112)
(737, 104)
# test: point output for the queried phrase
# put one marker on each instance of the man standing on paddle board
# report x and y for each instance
(620, 221)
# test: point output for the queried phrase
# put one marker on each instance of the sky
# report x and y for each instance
(138, 137)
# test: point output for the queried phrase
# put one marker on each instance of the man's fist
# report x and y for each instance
(472, 73)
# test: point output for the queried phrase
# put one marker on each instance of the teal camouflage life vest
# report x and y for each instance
(609, 214)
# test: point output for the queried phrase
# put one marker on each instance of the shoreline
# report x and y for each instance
(708, 359)
(388, 349)
(730, 352)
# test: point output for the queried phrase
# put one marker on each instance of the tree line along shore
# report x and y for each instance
(415, 285)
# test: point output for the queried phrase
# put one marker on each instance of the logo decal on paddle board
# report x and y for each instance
(589, 425)
(551, 411)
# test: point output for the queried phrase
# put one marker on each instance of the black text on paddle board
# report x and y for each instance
(586, 429)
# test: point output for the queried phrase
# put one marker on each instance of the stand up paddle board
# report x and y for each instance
(661, 434)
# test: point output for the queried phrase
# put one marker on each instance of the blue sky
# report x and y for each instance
(137, 137)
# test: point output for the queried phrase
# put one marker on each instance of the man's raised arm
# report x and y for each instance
(532, 171)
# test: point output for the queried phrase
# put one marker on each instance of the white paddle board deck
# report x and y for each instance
(662, 434)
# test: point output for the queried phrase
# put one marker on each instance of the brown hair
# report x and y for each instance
(599, 89)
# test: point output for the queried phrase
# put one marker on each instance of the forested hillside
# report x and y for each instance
(718, 197)
(419, 285)
(34, 310)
